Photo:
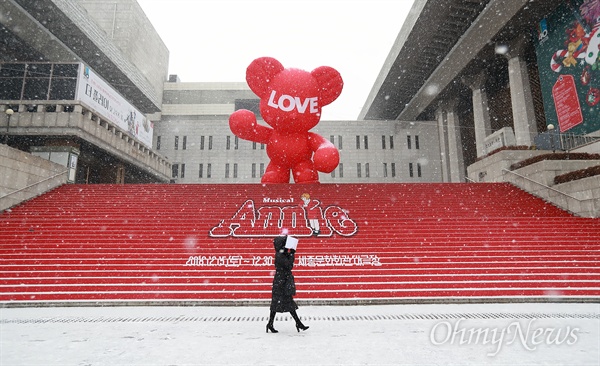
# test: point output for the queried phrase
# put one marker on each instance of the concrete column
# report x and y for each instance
(443, 133)
(481, 111)
(525, 125)
(455, 148)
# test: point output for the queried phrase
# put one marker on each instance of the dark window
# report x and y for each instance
(210, 138)
(358, 170)
(393, 169)
(182, 170)
(366, 139)
(340, 142)
(157, 142)
(367, 173)
(12, 71)
(175, 170)
(383, 142)
(38, 70)
(65, 70)
(201, 168)
(36, 88)
(208, 168)
(391, 142)
(410, 170)
(184, 143)
(417, 142)
(11, 88)
(201, 142)
(357, 142)
(62, 89)
(252, 105)
(408, 142)
(38, 81)
(176, 142)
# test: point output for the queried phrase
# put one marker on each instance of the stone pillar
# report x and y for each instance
(525, 124)
(443, 134)
(455, 149)
(481, 111)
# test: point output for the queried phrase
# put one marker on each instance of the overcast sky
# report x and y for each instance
(215, 40)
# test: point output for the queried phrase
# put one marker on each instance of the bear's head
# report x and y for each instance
(291, 99)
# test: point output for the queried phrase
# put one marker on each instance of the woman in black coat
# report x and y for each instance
(284, 288)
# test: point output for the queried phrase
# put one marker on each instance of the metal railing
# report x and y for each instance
(5, 198)
(554, 140)
(594, 202)
(570, 141)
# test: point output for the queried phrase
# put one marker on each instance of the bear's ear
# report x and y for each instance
(260, 73)
(330, 84)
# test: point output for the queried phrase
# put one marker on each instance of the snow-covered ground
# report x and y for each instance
(453, 334)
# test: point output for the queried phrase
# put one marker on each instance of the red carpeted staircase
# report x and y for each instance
(377, 243)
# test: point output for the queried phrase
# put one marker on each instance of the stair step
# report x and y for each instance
(166, 242)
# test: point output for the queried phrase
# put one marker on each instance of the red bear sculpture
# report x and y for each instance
(291, 102)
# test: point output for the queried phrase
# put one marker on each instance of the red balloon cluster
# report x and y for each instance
(290, 103)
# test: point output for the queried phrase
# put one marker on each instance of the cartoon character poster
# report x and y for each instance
(567, 49)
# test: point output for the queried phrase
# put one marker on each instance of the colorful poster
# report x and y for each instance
(110, 105)
(567, 49)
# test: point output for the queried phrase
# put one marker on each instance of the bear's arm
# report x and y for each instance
(243, 124)
(326, 156)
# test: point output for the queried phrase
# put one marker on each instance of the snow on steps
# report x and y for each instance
(378, 242)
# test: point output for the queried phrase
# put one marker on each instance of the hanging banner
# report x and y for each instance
(566, 102)
(567, 50)
(110, 105)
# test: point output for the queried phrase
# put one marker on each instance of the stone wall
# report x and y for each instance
(24, 176)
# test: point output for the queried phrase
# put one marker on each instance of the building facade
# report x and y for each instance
(194, 133)
(491, 74)
(77, 80)
(481, 80)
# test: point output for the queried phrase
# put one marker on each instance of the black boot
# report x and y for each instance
(299, 324)
(270, 324)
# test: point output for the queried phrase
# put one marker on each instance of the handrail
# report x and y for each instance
(570, 141)
(594, 208)
(547, 187)
(34, 184)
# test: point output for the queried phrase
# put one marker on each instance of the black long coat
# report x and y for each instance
(284, 287)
